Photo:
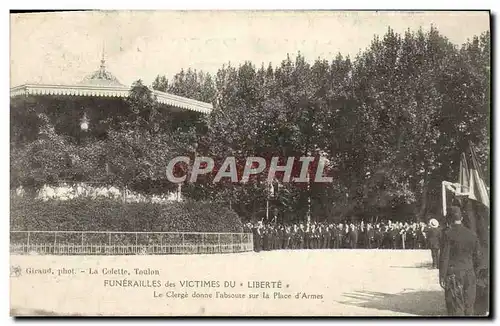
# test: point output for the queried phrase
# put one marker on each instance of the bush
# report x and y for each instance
(86, 214)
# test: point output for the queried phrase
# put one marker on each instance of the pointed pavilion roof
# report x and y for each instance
(101, 77)
(102, 83)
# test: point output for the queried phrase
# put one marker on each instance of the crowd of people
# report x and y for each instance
(319, 235)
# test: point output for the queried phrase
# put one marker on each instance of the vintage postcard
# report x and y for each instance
(250, 163)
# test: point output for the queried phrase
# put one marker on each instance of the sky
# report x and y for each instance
(62, 48)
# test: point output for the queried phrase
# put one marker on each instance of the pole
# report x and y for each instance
(267, 209)
(268, 194)
(308, 199)
(443, 191)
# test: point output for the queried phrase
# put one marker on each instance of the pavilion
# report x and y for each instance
(102, 84)
(90, 104)
(85, 108)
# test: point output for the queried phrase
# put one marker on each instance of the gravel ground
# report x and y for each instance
(335, 283)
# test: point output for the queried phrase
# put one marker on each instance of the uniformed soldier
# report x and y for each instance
(399, 236)
(402, 233)
(276, 238)
(302, 236)
(379, 236)
(287, 233)
(390, 237)
(331, 236)
(341, 235)
(353, 236)
(370, 236)
(412, 237)
(324, 236)
(265, 238)
(257, 237)
(292, 234)
(312, 235)
(307, 237)
(386, 240)
(421, 236)
(458, 266)
(315, 237)
(336, 236)
(362, 234)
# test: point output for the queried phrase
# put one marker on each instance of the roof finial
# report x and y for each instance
(103, 50)
(102, 59)
(101, 76)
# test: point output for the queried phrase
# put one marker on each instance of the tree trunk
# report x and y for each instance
(423, 204)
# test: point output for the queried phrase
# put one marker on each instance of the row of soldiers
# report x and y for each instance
(319, 235)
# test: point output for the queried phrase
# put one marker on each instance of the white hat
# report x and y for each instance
(433, 223)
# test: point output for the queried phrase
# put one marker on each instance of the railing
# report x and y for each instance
(127, 243)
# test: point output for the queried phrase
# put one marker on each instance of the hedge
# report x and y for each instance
(86, 214)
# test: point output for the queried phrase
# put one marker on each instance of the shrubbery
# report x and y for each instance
(86, 214)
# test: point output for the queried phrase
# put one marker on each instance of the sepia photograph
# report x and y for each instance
(250, 163)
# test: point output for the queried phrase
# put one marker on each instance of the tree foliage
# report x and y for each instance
(391, 121)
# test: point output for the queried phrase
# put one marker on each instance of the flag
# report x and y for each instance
(477, 212)
(471, 183)
(472, 192)
(477, 186)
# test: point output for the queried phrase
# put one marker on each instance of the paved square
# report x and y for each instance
(335, 283)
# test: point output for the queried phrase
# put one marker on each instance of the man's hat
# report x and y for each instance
(433, 223)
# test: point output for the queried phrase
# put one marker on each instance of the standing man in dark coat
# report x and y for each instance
(257, 237)
(353, 236)
(302, 237)
(307, 237)
(344, 241)
(336, 234)
(325, 236)
(412, 237)
(361, 234)
(393, 236)
(379, 236)
(434, 241)
(370, 236)
(458, 266)
(265, 238)
(421, 236)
